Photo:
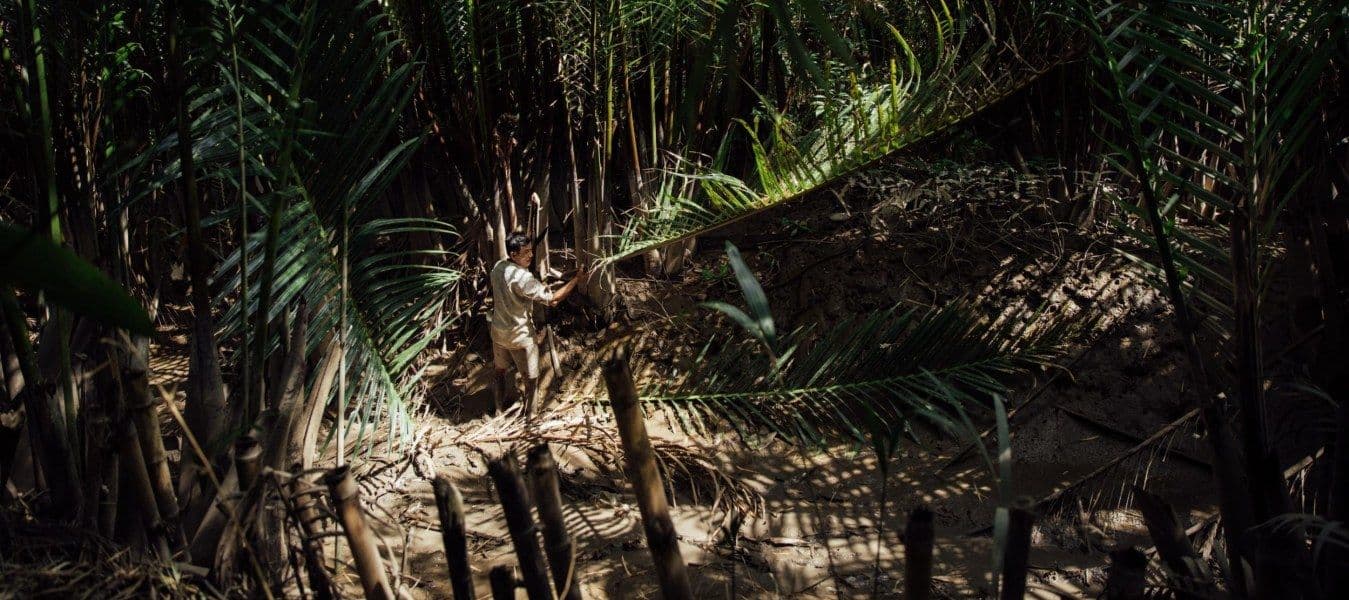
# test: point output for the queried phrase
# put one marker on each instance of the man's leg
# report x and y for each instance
(527, 362)
(501, 358)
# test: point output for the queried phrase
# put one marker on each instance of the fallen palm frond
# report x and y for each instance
(889, 367)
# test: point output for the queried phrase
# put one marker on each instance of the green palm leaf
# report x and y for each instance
(34, 264)
(321, 146)
(877, 370)
(907, 102)
(1213, 100)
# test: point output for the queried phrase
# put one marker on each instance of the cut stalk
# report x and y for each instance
(502, 581)
(918, 537)
(640, 464)
(524, 534)
(450, 506)
(1126, 577)
(364, 550)
(1016, 557)
(1173, 546)
(557, 542)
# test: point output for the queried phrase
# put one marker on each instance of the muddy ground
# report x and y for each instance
(906, 233)
(913, 234)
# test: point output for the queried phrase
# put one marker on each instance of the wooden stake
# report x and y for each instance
(503, 583)
(640, 463)
(450, 505)
(505, 474)
(1016, 556)
(1127, 575)
(918, 537)
(556, 541)
(346, 499)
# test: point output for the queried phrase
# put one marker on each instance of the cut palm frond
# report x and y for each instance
(896, 106)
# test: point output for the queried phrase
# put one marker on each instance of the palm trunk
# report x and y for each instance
(46, 436)
(326, 379)
(141, 407)
(206, 409)
(146, 507)
(48, 215)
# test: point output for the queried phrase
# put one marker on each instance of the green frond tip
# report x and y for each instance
(34, 264)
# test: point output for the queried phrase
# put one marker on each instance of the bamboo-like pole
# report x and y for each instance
(305, 515)
(510, 487)
(502, 582)
(346, 499)
(45, 433)
(450, 505)
(141, 405)
(107, 501)
(132, 460)
(561, 550)
(1016, 556)
(918, 537)
(1127, 575)
(640, 463)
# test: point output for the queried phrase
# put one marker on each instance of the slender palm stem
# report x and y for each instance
(245, 365)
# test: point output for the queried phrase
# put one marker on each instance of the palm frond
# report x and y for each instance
(1213, 101)
(321, 146)
(1329, 539)
(882, 369)
(904, 103)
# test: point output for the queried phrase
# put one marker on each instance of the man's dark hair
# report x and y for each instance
(515, 242)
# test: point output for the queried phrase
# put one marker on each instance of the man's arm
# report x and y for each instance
(566, 290)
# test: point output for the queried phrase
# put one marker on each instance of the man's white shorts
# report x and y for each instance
(526, 358)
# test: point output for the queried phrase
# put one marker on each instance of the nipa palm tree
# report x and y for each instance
(1213, 106)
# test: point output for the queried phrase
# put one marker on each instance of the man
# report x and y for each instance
(514, 290)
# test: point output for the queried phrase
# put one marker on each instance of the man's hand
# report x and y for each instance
(582, 276)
